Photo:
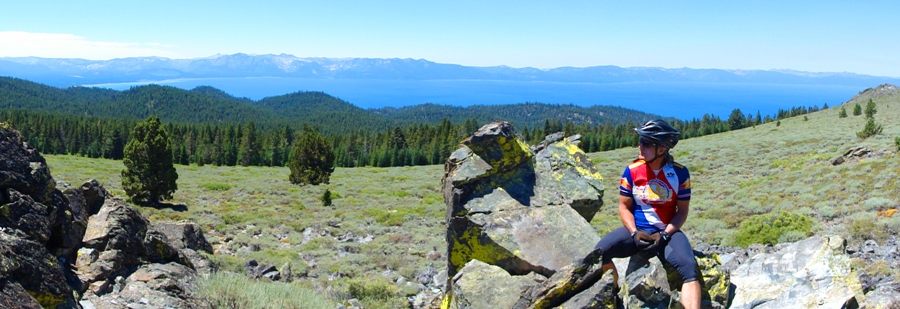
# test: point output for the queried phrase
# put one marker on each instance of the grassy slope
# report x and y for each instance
(735, 175)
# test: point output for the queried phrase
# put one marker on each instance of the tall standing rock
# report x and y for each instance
(37, 225)
(523, 209)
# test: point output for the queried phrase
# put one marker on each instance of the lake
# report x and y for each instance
(682, 100)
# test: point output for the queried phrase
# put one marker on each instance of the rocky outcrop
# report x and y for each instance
(520, 210)
(121, 261)
(38, 229)
(523, 210)
(811, 273)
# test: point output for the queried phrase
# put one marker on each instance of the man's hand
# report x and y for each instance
(644, 241)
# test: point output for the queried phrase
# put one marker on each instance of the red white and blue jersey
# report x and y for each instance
(655, 195)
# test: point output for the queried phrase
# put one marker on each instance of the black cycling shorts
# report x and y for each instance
(678, 252)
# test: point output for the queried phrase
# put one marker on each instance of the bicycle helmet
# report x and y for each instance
(659, 132)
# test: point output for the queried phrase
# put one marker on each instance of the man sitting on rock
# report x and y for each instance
(653, 205)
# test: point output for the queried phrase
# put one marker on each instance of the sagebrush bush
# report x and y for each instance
(769, 228)
(230, 290)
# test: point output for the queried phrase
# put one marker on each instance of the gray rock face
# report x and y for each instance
(37, 228)
(183, 235)
(810, 273)
(117, 240)
(509, 207)
(479, 285)
(522, 209)
(151, 286)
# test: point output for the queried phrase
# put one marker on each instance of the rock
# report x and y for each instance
(23, 169)
(94, 196)
(26, 265)
(522, 211)
(168, 285)
(13, 295)
(812, 272)
(854, 153)
(117, 241)
(426, 275)
(884, 296)
(479, 285)
(600, 295)
(183, 235)
(645, 284)
(565, 284)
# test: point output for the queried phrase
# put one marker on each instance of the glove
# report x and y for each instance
(643, 240)
(659, 240)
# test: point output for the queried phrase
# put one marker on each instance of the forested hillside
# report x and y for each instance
(209, 126)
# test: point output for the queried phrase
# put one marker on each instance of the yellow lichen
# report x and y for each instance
(445, 303)
(469, 246)
(47, 300)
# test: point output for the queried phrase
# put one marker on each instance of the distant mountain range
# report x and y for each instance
(68, 72)
(211, 105)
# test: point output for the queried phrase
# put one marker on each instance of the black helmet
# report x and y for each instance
(660, 132)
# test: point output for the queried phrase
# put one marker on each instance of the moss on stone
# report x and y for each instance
(47, 300)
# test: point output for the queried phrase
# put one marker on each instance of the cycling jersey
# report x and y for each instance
(656, 194)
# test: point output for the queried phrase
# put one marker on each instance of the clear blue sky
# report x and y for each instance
(830, 36)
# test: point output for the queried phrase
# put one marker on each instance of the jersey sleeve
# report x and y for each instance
(684, 184)
(625, 183)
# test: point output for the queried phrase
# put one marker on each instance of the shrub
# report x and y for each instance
(897, 142)
(843, 113)
(326, 198)
(312, 159)
(216, 186)
(230, 290)
(769, 228)
(857, 110)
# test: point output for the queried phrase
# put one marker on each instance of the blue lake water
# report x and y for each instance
(682, 100)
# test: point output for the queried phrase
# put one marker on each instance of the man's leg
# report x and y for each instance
(678, 252)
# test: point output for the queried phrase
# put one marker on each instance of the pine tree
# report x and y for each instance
(326, 198)
(248, 152)
(149, 175)
(870, 109)
(857, 110)
(312, 159)
(843, 113)
(870, 129)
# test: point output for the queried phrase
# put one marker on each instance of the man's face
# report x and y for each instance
(648, 150)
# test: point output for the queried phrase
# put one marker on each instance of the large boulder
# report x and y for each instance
(810, 273)
(479, 285)
(520, 210)
(29, 274)
(38, 232)
(117, 240)
(169, 285)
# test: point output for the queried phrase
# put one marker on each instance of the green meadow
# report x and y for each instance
(388, 222)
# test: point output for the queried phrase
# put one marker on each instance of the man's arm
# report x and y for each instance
(680, 217)
(625, 205)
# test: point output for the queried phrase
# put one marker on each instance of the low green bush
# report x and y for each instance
(772, 228)
(216, 186)
(230, 290)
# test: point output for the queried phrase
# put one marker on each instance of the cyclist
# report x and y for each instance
(654, 196)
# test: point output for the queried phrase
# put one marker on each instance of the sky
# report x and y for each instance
(816, 36)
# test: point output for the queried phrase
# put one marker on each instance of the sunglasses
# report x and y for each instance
(647, 142)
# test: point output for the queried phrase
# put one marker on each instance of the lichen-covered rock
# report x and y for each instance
(479, 285)
(601, 295)
(585, 283)
(645, 283)
(522, 211)
(810, 273)
(26, 265)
